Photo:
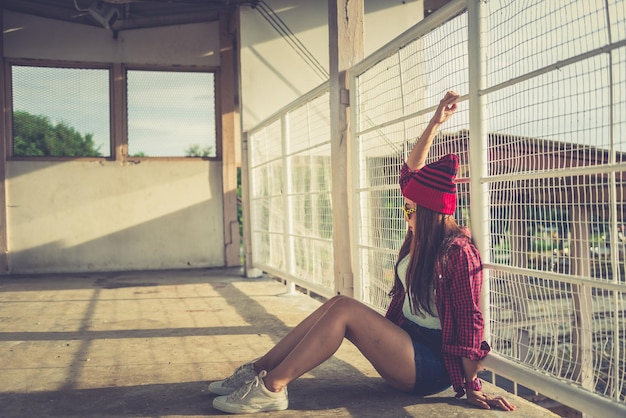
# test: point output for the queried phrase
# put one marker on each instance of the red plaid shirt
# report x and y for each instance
(457, 296)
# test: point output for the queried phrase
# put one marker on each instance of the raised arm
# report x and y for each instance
(447, 107)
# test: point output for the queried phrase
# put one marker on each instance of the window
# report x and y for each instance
(171, 114)
(60, 112)
(65, 111)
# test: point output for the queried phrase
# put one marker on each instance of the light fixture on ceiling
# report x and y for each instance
(103, 13)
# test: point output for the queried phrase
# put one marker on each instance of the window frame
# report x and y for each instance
(54, 64)
(118, 115)
(182, 69)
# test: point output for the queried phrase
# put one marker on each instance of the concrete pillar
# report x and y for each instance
(582, 297)
(118, 117)
(345, 38)
(230, 132)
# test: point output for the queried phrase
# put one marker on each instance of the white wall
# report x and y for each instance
(100, 215)
(273, 74)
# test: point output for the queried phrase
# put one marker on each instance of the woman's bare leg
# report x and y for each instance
(385, 345)
(278, 353)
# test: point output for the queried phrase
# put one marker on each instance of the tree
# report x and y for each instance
(37, 136)
(196, 151)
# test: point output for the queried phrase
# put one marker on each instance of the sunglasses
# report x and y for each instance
(408, 211)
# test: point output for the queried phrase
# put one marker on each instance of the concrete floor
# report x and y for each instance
(145, 344)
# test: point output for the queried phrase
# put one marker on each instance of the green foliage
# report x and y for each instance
(37, 136)
(196, 151)
(240, 216)
(239, 200)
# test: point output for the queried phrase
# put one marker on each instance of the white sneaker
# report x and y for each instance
(244, 373)
(253, 397)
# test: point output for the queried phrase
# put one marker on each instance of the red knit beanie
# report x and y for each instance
(432, 186)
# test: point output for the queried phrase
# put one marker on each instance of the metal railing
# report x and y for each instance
(540, 136)
(290, 193)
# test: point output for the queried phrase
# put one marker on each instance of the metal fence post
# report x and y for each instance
(478, 149)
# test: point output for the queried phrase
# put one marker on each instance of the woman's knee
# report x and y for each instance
(338, 298)
(329, 306)
(346, 306)
(344, 301)
(338, 301)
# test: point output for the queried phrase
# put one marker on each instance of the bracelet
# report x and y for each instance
(475, 385)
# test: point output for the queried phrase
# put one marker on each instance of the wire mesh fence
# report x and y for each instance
(396, 97)
(555, 106)
(553, 112)
(553, 100)
(290, 202)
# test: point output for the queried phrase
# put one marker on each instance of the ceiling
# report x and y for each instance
(119, 15)
(127, 14)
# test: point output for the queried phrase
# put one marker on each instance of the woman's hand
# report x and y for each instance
(447, 107)
(487, 401)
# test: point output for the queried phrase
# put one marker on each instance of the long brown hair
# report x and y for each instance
(434, 233)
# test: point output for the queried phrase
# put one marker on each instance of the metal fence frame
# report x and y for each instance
(286, 271)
